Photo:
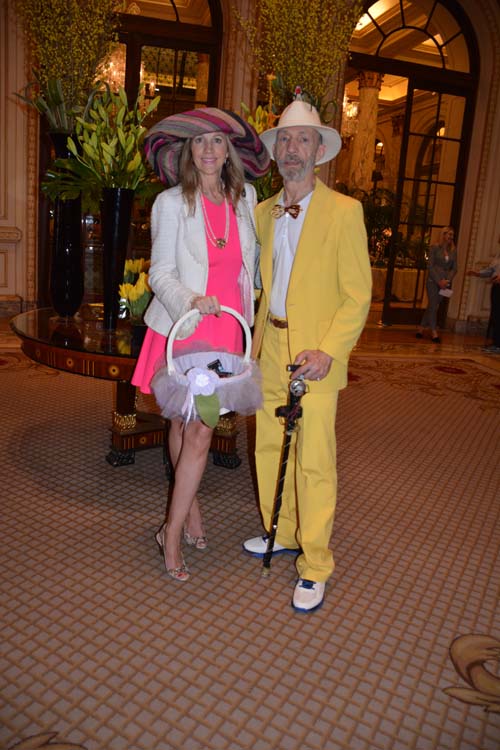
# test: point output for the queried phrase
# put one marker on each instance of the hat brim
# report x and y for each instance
(329, 138)
(163, 143)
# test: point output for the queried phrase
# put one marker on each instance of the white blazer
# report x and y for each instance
(179, 259)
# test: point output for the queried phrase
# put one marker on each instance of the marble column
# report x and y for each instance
(363, 143)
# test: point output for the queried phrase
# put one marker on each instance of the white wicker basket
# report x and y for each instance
(240, 391)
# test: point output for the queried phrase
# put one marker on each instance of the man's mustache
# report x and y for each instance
(291, 160)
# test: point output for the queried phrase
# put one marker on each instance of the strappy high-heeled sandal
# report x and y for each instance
(181, 573)
(198, 542)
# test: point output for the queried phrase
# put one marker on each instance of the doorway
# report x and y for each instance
(421, 62)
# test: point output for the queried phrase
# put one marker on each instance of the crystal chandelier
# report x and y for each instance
(349, 117)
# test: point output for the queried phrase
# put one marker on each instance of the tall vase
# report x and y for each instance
(116, 214)
(66, 285)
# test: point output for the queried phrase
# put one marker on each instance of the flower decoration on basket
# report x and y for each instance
(135, 292)
(202, 384)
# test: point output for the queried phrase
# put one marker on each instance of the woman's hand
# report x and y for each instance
(443, 283)
(208, 305)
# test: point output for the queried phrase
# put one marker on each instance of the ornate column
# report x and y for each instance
(363, 146)
(239, 80)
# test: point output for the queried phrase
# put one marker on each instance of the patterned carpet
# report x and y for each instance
(100, 650)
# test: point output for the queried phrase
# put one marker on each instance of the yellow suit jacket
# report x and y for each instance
(329, 292)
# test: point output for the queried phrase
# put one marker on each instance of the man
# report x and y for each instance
(316, 293)
(492, 272)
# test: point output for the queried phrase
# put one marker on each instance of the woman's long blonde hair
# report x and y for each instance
(444, 231)
(232, 175)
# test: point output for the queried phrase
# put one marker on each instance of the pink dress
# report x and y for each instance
(221, 334)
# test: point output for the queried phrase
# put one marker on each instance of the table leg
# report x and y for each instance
(223, 445)
(132, 430)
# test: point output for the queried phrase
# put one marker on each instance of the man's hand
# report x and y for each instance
(313, 364)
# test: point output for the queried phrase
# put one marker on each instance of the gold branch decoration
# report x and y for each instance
(303, 42)
(70, 41)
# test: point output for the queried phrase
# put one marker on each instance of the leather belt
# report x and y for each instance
(278, 322)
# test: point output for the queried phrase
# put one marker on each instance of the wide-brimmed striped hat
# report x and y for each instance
(164, 141)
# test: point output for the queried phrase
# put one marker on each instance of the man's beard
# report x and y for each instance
(295, 171)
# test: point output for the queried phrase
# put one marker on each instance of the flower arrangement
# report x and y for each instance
(135, 291)
(107, 150)
(307, 45)
(262, 119)
(70, 41)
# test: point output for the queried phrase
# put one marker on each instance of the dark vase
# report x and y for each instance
(116, 215)
(137, 333)
(66, 286)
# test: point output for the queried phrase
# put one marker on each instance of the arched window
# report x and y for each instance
(425, 53)
(423, 32)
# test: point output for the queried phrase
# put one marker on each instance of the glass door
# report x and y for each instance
(179, 77)
(432, 152)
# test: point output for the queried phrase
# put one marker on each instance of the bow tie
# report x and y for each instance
(278, 211)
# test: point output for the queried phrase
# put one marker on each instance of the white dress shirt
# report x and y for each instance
(286, 238)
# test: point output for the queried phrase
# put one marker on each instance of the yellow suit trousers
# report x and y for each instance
(310, 490)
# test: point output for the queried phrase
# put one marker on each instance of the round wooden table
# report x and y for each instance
(81, 345)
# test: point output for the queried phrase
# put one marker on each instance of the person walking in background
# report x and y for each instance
(442, 267)
(492, 272)
(316, 293)
(203, 256)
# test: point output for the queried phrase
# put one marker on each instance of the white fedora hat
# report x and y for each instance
(301, 114)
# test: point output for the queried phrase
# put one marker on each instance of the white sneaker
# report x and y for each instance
(308, 595)
(258, 546)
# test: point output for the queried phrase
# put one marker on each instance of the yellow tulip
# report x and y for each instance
(124, 290)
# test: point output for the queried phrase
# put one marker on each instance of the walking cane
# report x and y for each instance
(291, 412)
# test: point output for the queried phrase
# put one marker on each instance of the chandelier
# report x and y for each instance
(349, 117)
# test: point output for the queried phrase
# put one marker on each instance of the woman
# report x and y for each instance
(203, 256)
(442, 266)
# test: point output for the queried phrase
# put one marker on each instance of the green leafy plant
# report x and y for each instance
(50, 103)
(107, 150)
(305, 44)
(69, 42)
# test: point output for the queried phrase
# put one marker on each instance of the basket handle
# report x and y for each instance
(189, 314)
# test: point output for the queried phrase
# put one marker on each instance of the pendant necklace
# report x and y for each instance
(219, 242)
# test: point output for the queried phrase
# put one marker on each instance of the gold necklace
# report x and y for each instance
(219, 242)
